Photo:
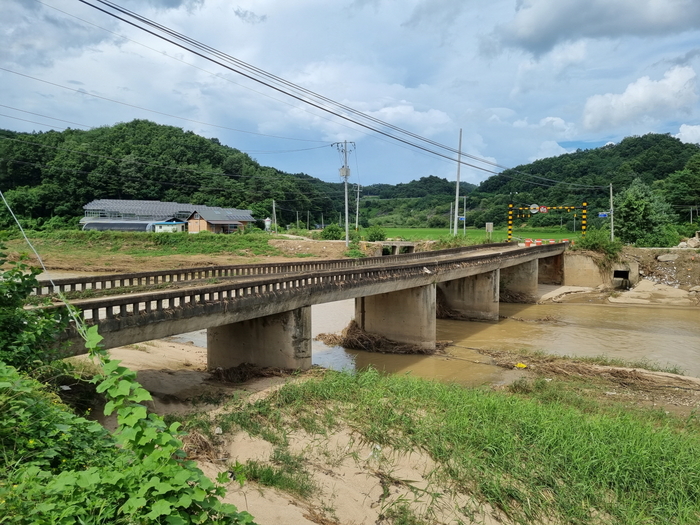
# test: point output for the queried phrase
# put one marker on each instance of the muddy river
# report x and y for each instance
(665, 335)
(662, 334)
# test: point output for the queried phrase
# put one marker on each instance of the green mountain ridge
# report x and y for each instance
(47, 177)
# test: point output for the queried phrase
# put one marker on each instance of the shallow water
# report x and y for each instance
(665, 335)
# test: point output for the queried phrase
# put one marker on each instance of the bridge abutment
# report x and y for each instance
(406, 316)
(551, 269)
(280, 340)
(521, 278)
(475, 297)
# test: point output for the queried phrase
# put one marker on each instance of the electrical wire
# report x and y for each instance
(33, 122)
(298, 92)
(289, 89)
(271, 79)
(44, 116)
(83, 92)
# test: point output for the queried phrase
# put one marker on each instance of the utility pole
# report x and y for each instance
(344, 174)
(451, 205)
(297, 220)
(307, 219)
(612, 219)
(274, 214)
(459, 165)
(357, 210)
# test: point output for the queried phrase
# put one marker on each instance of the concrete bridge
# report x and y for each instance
(261, 314)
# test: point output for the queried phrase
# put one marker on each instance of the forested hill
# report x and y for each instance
(48, 177)
(585, 176)
(54, 174)
(424, 187)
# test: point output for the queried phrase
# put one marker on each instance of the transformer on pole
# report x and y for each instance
(344, 174)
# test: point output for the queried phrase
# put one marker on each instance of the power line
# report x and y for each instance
(83, 92)
(44, 116)
(297, 92)
(33, 122)
(252, 73)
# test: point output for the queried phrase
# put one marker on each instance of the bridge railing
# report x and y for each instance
(164, 302)
(126, 280)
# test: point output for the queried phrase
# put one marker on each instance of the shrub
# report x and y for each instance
(332, 232)
(26, 335)
(598, 240)
(375, 233)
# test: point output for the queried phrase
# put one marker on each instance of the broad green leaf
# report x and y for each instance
(159, 508)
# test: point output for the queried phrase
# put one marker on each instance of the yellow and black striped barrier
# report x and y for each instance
(510, 222)
(525, 212)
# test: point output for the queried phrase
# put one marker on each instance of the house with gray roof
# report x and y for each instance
(218, 220)
(142, 215)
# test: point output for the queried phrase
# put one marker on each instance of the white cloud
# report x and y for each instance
(644, 99)
(548, 148)
(689, 134)
(569, 54)
(539, 25)
(555, 126)
(558, 126)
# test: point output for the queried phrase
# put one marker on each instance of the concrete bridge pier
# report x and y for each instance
(521, 278)
(475, 297)
(280, 340)
(406, 316)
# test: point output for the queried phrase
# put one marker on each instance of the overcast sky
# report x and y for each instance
(524, 79)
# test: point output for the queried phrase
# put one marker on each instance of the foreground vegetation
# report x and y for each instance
(547, 451)
(57, 467)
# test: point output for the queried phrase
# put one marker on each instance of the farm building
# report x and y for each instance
(156, 216)
(217, 220)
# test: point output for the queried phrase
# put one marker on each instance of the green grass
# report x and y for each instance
(285, 471)
(479, 236)
(539, 454)
(151, 244)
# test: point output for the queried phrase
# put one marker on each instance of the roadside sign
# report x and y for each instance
(544, 209)
(603, 214)
(534, 208)
(461, 218)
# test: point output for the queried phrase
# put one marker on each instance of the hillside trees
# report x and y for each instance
(643, 217)
(52, 175)
(55, 174)
(682, 187)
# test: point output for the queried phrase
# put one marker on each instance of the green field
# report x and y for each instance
(479, 236)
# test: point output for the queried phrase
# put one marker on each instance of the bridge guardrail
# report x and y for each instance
(95, 310)
(125, 280)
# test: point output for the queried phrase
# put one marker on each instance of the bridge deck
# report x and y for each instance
(180, 275)
(135, 317)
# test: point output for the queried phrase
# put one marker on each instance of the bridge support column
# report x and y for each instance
(475, 297)
(406, 316)
(520, 279)
(280, 340)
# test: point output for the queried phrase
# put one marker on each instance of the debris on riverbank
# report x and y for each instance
(356, 338)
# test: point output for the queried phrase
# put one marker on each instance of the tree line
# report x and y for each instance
(47, 177)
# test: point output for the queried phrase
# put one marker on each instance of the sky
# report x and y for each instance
(522, 79)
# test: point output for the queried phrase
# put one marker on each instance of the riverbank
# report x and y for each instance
(325, 466)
